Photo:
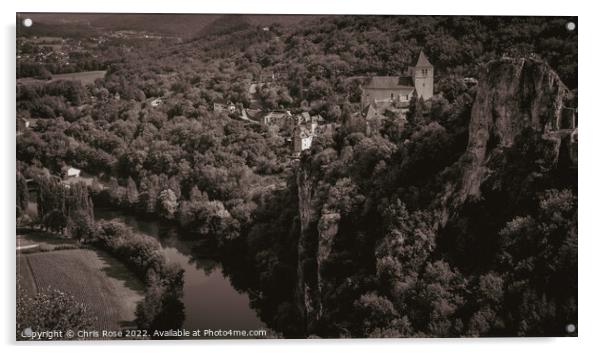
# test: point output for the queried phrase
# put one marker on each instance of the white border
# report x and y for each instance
(589, 171)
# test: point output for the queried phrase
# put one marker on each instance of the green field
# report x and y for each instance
(109, 290)
(85, 77)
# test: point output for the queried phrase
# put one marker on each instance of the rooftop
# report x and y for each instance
(423, 60)
(390, 82)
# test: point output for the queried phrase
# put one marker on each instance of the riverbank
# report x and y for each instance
(184, 283)
(105, 252)
(210, 299)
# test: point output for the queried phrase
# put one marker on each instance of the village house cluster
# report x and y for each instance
(48, 49)
(299, 129)
(66, 52)
(381, 95)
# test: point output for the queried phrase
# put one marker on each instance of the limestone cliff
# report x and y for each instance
(512, 95)
(307, 296)
(318, 229)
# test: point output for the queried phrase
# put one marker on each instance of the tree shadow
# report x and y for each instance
(117, 270)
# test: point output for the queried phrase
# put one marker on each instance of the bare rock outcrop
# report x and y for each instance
(512, 95)
(316, 238)
(307, 293)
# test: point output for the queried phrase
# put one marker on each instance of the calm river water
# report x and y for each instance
(210, 300)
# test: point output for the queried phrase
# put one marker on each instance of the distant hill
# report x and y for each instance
(182, 25)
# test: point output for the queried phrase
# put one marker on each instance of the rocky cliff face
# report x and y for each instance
(512, 95)
(317, 232)
(307, 294)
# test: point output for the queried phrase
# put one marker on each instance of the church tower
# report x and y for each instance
(422, 75)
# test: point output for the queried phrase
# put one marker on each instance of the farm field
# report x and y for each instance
(94, 278)
(25, 281)
(86, 77)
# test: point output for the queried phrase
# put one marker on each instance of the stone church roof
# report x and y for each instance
(423, 60)
(389, 82)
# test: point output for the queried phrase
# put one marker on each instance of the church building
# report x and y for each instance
(394, 89)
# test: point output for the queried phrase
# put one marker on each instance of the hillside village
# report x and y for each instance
(381, 95)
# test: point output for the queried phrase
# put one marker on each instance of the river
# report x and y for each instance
(209, 298)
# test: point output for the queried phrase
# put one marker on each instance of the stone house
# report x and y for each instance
(278, 118)
(70, 171)
(302, 139)
(157, 102)
(220, 107)
(22, 124)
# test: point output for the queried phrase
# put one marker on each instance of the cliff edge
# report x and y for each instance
(512, 95)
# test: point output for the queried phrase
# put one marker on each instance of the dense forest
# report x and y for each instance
(357, 238)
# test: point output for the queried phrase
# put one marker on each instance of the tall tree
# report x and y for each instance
(131, 193)
(415, 113)
(22, 194)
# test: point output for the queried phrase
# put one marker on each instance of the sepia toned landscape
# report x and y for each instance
(184, 176)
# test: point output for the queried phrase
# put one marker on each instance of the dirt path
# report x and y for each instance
(19, 248)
